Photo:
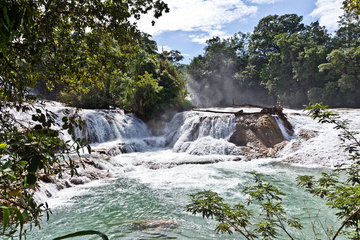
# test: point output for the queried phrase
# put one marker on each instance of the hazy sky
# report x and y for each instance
(191, 22)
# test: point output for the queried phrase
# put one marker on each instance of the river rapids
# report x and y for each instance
(144, 177)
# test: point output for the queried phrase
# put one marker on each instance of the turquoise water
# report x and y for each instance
(155, 183)
(142, 193)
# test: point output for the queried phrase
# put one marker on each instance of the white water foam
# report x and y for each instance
(201, 133)
(197, 144)
(154, 170)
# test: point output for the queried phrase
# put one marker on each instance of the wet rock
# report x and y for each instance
(258, 135)
(87, 172)
(46, 178)
(48, 194)
(78, 181)
(67, 184)
(59, 186)
(256, 131)
(154, 223)
(111, 151)
(305, 134)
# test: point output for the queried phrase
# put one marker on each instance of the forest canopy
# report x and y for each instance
(282, 60)
(87, 54)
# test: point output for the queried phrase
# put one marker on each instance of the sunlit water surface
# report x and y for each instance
(155, 183)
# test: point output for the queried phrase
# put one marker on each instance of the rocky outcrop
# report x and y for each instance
(256, 130)
(87, 172)
(259, 132)
(119, 148)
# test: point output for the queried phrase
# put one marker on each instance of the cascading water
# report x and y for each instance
(201, 134)
(154, 179)
(285, 132)
(102, 126)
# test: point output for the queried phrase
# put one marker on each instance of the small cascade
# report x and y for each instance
(208, 146)
(102, 126)
(285, 132)
(315, 144)
(193, 132)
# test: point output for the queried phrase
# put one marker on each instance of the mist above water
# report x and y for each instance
(224, 92)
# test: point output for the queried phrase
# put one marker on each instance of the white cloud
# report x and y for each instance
(264, 1)
(328, 12)
(207, 16)
(164, 48)
(207, 34)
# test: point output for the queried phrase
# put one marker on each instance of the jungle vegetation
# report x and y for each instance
(89, 54)
(282, 60)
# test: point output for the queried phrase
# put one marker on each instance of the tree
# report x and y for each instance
(49, 40)
(174, 56)
(352, 6)
(265, 224)
(342, 70)
(170, 82)
(292, 71)
(62, 44)
(340, 193)
(214, 73)
(348, 33)
(29, 150)
(263, 37)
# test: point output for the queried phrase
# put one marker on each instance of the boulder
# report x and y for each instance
(155, 223)
(305, 134)
(256, 131)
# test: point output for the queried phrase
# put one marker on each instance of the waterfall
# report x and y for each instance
(284, 130)
(153, 178)
(201, 133)
(102, 126)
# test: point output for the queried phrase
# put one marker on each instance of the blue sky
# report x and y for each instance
(191, 22)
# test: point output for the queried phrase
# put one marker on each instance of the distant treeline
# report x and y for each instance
(282, 60)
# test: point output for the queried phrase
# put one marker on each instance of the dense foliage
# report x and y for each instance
(281, 60)
(66, 46)
(340, 188)
(88, 54)
(149, 81)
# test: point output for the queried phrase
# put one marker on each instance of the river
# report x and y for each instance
(154, 178)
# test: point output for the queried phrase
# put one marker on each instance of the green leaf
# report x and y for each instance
(83, 233)
(89, 148)
(19, 216)
(10, 174)
(14, 192)
(3, 145)
(6, 217)
(25, 214)
(7, 164)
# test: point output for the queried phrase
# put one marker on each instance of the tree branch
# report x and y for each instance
(353, 214)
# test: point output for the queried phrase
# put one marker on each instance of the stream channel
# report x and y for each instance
(155, 176)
